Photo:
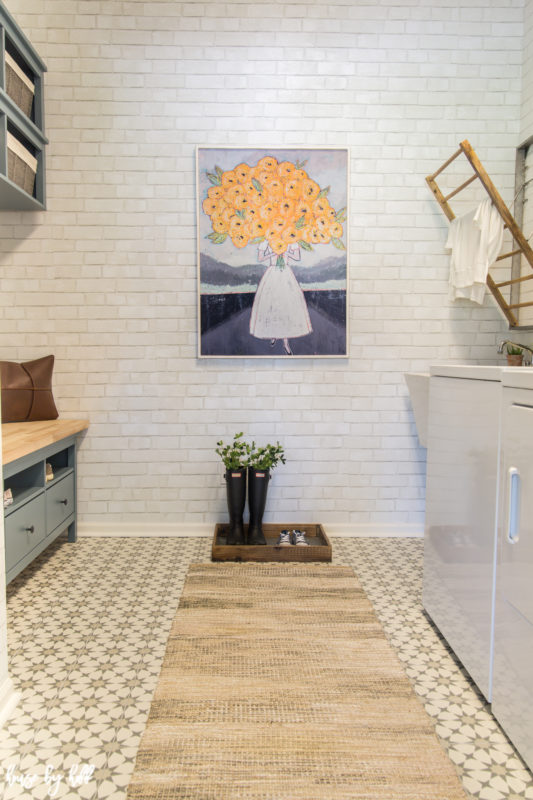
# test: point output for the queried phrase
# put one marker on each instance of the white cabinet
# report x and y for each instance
(512, 702)
(478, 550)
(461, 516)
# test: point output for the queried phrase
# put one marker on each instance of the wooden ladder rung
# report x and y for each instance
(515, 280)
(461, 187)
(508, 255)
(521, 305)
(446, 163)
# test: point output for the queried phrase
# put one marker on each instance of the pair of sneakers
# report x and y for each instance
(294, 537)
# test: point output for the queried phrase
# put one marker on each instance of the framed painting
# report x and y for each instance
(272, 252)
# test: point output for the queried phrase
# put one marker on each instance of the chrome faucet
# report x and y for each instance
(522, 346)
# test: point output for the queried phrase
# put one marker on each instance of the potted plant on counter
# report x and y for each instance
(262, 460)
(236, 457)
(515, 355)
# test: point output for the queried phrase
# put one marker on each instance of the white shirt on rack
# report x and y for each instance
(475, 240)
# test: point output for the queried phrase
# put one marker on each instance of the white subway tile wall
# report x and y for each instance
(106, 278)
(526, 130)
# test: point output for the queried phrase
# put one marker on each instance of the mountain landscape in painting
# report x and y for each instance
(226, 298)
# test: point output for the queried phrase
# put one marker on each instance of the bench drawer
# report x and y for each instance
(59, 502)
(24, 529)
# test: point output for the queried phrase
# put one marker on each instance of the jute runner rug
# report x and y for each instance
(278, 684)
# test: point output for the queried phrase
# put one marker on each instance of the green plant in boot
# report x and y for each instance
(235, 455)
(266, 457)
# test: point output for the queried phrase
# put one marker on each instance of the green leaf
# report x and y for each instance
(301, 164)
(338, 244)
(241, 213)
(257, 186)
(305, 245)
(323, 192)
(340, 216)
(217, 238)
(300, 223)
(219, 171)
(214, 179)
(257, 240)
(280, 262)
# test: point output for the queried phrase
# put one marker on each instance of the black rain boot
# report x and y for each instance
(236, 496)
(257, 494)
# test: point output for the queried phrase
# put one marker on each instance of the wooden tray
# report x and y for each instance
(319, 548)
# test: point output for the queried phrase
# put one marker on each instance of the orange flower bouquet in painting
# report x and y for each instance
(274, 205)
(274, 202)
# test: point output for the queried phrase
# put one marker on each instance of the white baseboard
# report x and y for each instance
(376, 530)
(145, 529)
(183, 529)
(8, 700)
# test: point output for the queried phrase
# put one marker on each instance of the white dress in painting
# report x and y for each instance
(279, 310)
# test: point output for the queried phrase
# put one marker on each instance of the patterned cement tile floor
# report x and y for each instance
(87, 629)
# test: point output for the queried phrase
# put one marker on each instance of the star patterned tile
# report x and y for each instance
(87, 630)
(390, 571)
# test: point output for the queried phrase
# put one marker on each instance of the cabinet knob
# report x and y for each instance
(31, 529)
(64, 502)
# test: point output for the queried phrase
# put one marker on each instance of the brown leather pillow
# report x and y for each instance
(27, 390)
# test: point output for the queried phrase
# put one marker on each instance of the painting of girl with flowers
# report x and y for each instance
(272, 251)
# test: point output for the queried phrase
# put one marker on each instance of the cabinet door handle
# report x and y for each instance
(31, 529)
(64, 502)
(513, 520)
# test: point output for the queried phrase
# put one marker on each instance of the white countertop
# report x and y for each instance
(476, 372)
(521, 377)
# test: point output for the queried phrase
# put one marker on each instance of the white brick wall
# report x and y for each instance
(106, 277)
(526, 129)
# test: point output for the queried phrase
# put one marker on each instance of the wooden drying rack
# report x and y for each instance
(521, 245)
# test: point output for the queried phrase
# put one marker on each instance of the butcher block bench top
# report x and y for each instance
(22, 438)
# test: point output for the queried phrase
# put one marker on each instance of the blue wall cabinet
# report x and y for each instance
(22, 139)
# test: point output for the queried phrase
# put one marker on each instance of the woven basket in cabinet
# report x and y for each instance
(21, 164)
(19, 86)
